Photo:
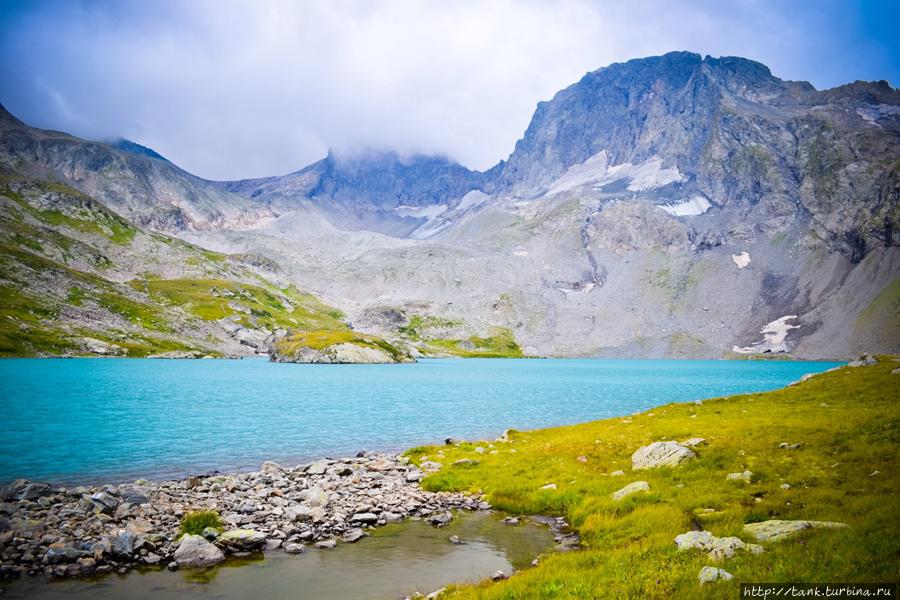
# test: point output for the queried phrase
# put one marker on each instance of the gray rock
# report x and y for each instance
(294, 548)
(272, 544)
(743, 477)
(325, 544)
(712, 574)
(123, 545)
(104, 502)
(776, 530)
(22, 489)
(241, 540)
(866, 360)
(194, 551)
(271, 468)
(440, 519)
(454, 539)
(660, 454)
(718, 548)
(631, 488)
(210, 533)
(354, 535)
(134, 494)
(364, 517)
(316, 496)
(298, 513)
(58, 553)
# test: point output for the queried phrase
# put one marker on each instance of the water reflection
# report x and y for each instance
(395, 561)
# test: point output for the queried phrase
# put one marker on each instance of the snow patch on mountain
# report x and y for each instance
(597, 173)
(774, 337)
(693, 206)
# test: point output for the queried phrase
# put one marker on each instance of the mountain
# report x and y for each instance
(135, 148)
(374, 191)
(679, 206)
(132, 180)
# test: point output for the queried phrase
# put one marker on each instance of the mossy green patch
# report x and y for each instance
(213, 299)
(194, 522)
(294, 344)
(500, 343)
(847, 423)
(883, 314)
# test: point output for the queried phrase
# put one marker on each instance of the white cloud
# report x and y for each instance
(232, 89)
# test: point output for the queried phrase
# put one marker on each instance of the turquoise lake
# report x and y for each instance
(99, 420)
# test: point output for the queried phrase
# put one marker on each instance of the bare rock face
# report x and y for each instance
(194, 551)
(660, 454)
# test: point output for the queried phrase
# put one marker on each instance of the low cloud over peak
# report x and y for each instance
(239, 89)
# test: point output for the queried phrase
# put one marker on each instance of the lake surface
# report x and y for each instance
(396, 561)
(97, 420)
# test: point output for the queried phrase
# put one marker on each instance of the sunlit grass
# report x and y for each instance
(846, 422)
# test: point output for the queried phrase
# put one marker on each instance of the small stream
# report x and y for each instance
(394, 562)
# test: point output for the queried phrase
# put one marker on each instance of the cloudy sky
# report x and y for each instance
(230, 89)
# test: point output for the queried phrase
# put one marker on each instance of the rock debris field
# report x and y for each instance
(77, 531)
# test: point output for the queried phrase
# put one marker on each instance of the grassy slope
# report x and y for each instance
(847, 422)
(48, 301)
(499, 343)
(322, 339)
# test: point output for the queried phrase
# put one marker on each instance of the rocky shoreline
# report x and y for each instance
(86, 530)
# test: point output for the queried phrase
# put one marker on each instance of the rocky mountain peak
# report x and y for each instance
(135, 148)
(7, 118)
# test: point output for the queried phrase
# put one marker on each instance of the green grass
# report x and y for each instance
(323, 339)
(194, 522)
(79, 213)
(501, 343)
(214, 299)
(882, 315)
(848, 422)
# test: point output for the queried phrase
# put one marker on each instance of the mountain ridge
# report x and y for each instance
(668, 206)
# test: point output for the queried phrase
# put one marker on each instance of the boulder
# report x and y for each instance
(271, 468)
(104, 502)
(316, 496)
(194, 551)
(22, 489)
(241, 540)
(718, 548)
(317, 468)
(776, 530)
(354, 535)
(297, 513)
(325, 544)
(58, 553)
(631, 488)
(294, 548)
(122, 546)
(364, 517)
(866, 360)
(660, 454)
(712, 574)
(134, 494)
(743, 477)
(440, 519)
